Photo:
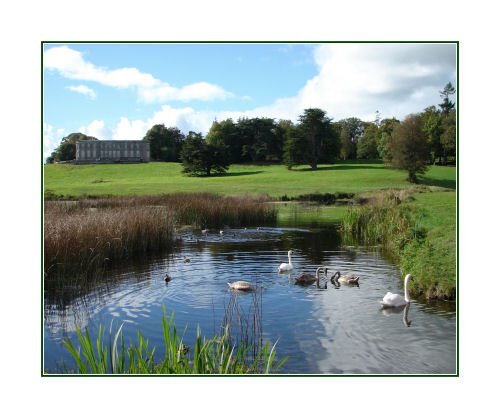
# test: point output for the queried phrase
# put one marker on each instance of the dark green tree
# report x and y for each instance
(200, 158)
(295, 148)
(432, 126)
(307, 140)
(352, 129)
(367, 143)
(258, 140)
(384, 137)
(165, 143)
(66, 151)
(346, 145)
(449, 136)
(409, 147)
(447, 105)
(225, 136)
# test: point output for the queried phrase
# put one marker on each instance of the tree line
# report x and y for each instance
(420, 139)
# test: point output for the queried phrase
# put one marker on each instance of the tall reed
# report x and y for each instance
(83, 240)
(206, 356)
(80, 237)
(384, 220)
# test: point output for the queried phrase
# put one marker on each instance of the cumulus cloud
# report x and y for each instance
(97, 129)
(82, 89)
(396, 79)
(51, 138)
(352, 80)
(71, 64)
(356, 80)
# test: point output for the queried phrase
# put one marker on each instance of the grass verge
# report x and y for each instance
(418, 230)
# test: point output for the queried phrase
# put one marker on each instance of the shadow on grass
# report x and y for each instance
(341, 167)
(447, 184)
(240, 173)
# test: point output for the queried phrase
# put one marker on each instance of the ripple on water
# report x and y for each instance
(322, 330)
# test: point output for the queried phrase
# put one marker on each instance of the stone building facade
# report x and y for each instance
(112, 152)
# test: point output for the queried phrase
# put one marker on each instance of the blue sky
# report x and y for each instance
(118, 91)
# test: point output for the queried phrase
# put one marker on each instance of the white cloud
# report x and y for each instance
(356, 80)
(97, 129)
(197, 91)
(51, 138)
(396, 79)
(82, 89)
(71, 64)
(353, 80)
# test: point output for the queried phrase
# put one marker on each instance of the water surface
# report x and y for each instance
(323, 331)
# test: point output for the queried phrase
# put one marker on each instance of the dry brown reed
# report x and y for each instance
(82, 236)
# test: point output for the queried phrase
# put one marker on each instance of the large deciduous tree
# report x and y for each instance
(409, 147)
(367, 143)
(200, 158)
(385, 130)
(449, 135)
(306, 142)
(352, 129)
(165, 143)
(66, 151)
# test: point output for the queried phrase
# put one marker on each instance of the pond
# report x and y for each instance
(322, 331)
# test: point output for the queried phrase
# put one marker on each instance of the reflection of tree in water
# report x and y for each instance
(62, 291)
(313, 244)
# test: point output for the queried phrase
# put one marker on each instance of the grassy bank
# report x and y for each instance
(274, 180)
(417, 227)
(418, 230)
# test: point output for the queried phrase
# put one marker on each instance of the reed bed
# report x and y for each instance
(206, 356)
(84, 239)
(200, 209)
(83, 236)
(383, 221)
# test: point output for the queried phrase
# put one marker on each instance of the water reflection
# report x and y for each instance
(397, 310)
(324, 329)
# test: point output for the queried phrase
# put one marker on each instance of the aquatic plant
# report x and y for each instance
(215, 355)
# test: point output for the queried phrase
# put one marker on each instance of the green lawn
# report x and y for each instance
(275, 180)
(432, 260)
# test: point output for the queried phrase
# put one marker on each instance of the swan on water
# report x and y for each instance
(241, 285)
(286, 266)
(348, 278)
(306, 278)
(393, 300)
(167, 278)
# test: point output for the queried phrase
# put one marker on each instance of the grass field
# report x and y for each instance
(275, 180)
(432, 260)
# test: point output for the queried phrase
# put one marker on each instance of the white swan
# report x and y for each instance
(393, 300)
(306, 278)
(241, 285)
(284, 266)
